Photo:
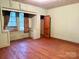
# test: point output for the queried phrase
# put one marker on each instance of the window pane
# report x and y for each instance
(12, 25)
(12, 21)
(13, 14)
(21, 18)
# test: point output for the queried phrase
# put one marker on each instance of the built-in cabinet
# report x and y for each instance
(10, 4)
(4, 39)
(5, 3)
(0, 23)
(18, 35)
(4, 36)
(35, 31)
(28, 8)
(32, 9)
(15, 5)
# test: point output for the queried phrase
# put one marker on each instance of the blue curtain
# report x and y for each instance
(21, 21)
(12, 21)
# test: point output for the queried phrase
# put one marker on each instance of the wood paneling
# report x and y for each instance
(42, 48)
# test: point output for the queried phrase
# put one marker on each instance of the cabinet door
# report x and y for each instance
(0, 23)
(15, 5)
(0, 10)
(23, 6)
(5, 3)
(4, 42)
(0, 3)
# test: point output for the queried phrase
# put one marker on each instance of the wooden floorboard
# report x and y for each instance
(42, 48)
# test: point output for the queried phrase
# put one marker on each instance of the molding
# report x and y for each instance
(64, 40)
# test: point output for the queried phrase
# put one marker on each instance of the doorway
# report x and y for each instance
(45, 26)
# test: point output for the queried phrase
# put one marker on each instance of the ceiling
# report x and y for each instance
(49, 3)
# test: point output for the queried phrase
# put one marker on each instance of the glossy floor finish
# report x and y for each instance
(42, 48)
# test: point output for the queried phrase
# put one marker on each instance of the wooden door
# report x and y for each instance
(47, 26)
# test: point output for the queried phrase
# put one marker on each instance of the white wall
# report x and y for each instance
(65, 22)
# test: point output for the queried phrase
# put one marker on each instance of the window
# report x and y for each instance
(21, 21)
(12, 25)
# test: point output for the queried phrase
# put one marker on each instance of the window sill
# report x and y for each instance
(13, 30)
(5, 31)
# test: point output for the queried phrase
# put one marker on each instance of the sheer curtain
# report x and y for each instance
(12, 24)
(21, 22)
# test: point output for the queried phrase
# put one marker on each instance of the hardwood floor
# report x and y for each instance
(42, 48)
